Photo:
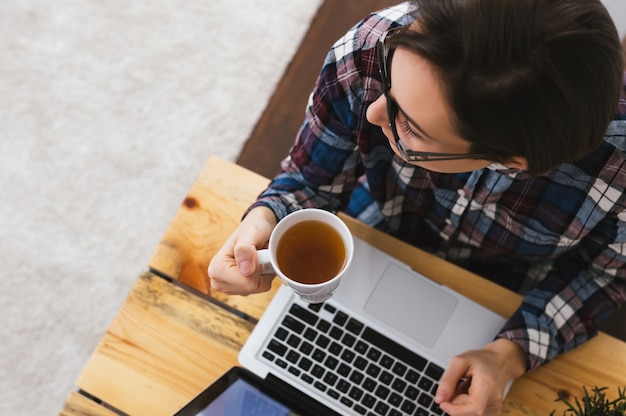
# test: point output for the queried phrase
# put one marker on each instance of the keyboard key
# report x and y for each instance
(408, 407)
(305, 364)
(281, 363)
(320, 386)
(361, 347)
(359, 409)
(355, 393)
(347, 356)
(323, 325)
(281, 334)
(277, 347)
(425, 383)
(336, 332)
(318, 355)
(382, 392)
(354, 326)
(334, 394)
(293, 324)
(268, 356)
(322, 341)
(306, 348)
(331, 362)
(373, 370)
(330, 308)
(425, 400)
(412, 376)
(307, 378)
(330, 378)
(343, 386)
(293, 341)
(399, 369)
(434, 371)
(368, 401)
(300, 312)
(395, 399)
(310, 334)
(344, 370)
(293, 356)
(340, 318)
(293, 370)
(422, 412)
(398, 385)
(385, 377)
(346, 402)
(356, 377)
(335, 348)
(436, 409)
(411, 392)
(381, 408)
(318, 371)
(386, 361)
(360, 363)
(348, 340)
(374, 354)
(316, 307)
(402, 353)
(369, 384)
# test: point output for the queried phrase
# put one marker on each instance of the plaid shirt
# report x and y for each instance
(558, 238)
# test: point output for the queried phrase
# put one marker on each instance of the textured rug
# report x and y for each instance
(108, 110)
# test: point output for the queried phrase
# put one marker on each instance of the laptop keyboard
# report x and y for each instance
(353, 365)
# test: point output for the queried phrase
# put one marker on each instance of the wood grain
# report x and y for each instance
(79, 405)
(164, 346)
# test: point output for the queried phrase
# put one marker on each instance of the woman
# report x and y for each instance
(484, 131)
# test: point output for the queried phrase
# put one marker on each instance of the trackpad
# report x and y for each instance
(411, 304)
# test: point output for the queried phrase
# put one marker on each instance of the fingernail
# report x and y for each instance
(245, 268)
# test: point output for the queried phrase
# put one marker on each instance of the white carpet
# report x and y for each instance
(108, 110)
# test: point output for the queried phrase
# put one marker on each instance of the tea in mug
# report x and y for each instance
(311, 252)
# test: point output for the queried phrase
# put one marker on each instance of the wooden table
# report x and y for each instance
(173, 336)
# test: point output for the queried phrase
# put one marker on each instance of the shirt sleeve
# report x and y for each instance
(584, 286)
(324, 164)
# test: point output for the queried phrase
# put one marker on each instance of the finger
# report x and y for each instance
(456, 371)
(475, 401)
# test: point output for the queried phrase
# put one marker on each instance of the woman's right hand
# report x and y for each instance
(234, 269)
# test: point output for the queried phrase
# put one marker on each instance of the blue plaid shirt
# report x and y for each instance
(558, 238)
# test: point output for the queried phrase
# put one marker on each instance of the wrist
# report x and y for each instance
(513, 359)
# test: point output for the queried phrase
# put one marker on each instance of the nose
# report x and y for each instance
(377, 112)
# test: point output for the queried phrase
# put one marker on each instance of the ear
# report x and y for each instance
(517, 162)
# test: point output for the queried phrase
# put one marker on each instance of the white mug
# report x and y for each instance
(310, 251)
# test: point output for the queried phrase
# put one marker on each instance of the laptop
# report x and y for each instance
(377, 347)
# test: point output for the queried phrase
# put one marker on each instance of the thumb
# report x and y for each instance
(246, 253)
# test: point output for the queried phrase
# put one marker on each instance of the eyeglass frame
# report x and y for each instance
(393, 108)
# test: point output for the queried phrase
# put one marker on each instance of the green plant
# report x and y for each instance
(596, 404)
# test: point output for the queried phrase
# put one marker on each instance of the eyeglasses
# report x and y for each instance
(384, 61)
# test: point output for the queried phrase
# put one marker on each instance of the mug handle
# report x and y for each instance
(265, 261)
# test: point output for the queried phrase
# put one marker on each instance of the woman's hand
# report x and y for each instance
(233, 270)
(475, 381)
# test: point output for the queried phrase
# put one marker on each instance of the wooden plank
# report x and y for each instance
(208, 215)
(164, 346)
(79, 405)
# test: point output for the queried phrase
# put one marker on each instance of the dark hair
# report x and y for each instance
(539, 79)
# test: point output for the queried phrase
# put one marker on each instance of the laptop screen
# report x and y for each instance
(241, 393)
(241, 398)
